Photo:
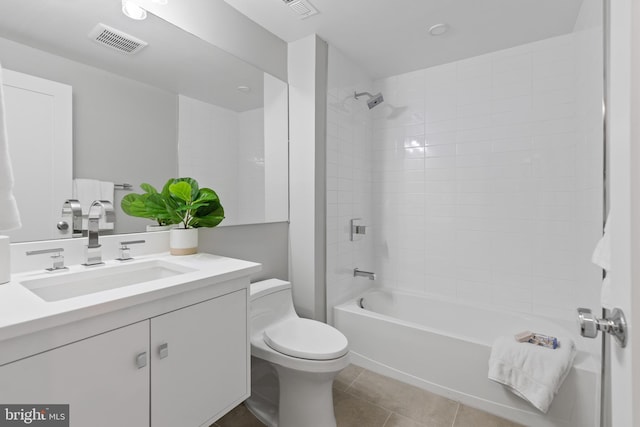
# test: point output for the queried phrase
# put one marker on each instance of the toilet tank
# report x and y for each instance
(270, 301)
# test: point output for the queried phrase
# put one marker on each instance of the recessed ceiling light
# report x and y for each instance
(245, 89)
(438, 29)
(133, 11)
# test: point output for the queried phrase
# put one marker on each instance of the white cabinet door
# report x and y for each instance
(199, 361)
(98, 377)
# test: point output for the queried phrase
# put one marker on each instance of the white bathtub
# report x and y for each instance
(444, 347)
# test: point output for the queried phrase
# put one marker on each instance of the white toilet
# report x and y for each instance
(293, 361)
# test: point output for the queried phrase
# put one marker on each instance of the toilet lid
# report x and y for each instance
(306, 339)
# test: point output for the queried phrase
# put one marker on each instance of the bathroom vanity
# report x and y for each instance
(169, 349)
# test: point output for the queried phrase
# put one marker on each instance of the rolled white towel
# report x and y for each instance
(532, 372)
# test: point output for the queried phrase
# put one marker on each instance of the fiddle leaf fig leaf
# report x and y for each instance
(150, 189)
(181, 190)
(133, 204)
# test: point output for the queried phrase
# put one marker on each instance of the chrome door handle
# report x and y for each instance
(163, 350)
(615, 324)
(141, 360)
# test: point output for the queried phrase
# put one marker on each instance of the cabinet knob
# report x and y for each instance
(141, 360)
(163, 350)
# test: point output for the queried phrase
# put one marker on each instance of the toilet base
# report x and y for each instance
(306, 398)
(292, 398)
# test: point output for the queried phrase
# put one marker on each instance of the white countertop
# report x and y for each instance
(22, 312)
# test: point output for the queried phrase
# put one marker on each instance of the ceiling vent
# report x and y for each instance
(116, 39)
(302, 8)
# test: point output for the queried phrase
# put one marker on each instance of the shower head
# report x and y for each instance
(373, 99)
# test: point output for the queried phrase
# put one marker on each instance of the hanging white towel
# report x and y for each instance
(602, 258)
(9, 214)
(532, 372)
(86, 191)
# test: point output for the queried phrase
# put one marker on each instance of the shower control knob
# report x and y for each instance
(615, 325)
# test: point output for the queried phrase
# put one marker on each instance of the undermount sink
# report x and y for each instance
(73, 284)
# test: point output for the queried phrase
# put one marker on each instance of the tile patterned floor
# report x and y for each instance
(365, 399)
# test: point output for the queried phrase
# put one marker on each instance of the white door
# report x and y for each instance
(39, 122)
(624, 192)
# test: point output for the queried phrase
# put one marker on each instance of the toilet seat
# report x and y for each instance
(306, 339)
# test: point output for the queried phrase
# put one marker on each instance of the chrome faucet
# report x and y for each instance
(357, 272)
(71, 208)
(57, 259)
(96, 210)
(125, 254)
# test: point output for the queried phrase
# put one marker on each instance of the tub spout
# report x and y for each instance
(357, 272)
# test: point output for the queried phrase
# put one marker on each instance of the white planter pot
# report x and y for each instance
(151, 228)
(183, 241)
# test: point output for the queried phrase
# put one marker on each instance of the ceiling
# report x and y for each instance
(174, 60)
(389, 37)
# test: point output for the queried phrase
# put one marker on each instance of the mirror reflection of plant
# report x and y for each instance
(150, 205)
(181, 201)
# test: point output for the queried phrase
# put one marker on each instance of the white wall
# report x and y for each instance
(307, 133)
(263, 243)
(349, 180)
(488, 178)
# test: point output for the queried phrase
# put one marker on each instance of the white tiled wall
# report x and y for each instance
(349, 190)
(487, 177)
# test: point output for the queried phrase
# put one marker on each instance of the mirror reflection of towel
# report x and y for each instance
(9, 214)
(602, 258)
(88, 190)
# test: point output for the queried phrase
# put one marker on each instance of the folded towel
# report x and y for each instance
(9, 214)
(532, 372)
(602, 258)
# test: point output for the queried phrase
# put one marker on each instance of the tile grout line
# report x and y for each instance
(355, 379)
(369, 402)
(387, 420)
(391, 412)
(453, 423)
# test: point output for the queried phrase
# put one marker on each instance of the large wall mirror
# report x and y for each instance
(177, 107)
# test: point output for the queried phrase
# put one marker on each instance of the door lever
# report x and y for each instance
(615, 325)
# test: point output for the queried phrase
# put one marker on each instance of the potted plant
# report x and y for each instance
(180, 202)
(149, 204)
